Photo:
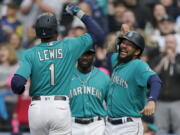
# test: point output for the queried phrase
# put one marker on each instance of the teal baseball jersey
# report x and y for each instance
(88, 92)
(128, 88)
(50, 65)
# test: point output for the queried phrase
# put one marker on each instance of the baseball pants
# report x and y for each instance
(94, 128)
(135, 127)
(49, 117)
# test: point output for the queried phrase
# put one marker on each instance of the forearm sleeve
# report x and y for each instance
(94, 30)
(155, 85)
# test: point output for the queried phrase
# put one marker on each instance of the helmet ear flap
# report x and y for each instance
(117, 44)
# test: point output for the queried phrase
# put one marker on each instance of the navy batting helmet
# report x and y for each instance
(134, 37)
(46, 25)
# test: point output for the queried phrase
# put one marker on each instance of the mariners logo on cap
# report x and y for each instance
(43, 32)
(129, 34)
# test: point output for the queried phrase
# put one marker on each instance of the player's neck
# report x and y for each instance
(54, 38)
(84, 70)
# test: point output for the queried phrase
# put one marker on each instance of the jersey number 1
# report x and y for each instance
(51, 68)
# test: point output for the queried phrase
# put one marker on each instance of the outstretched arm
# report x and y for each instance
(93, 28)
(155, 85)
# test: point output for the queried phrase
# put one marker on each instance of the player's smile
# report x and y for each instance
(123, 53)
(126, 48)
(85, 59)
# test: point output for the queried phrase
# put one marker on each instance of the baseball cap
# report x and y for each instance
(166, 18)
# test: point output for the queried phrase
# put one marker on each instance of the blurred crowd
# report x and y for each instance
(157, 20)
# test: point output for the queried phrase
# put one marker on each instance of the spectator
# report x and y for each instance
(166, 26)
(20, 114)
(167, 112)
(30, 9)
(31, 38)
(8, 65)
(141, 12)
(103, 62)
(158, 12)
(128, 17)
(171, 7)
(115, 16)
(15, 42)
(10, 23)
(55, 6)
(130, 20)
(76, 32)
(99, 12)
(28, 13)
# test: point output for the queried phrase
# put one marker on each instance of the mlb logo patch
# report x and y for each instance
(149, 69)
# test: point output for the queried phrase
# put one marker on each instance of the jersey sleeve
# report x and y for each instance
(143, 72)
(25, 66)
(79, 45)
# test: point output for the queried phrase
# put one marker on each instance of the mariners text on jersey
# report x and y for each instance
(85, 90)
(120, 81)
(50, 54)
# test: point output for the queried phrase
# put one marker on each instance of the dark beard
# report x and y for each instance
(85, 68)
(125, 60)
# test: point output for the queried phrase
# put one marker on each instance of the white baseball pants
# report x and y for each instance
(49, 117)
(128, 128)
(95, 128)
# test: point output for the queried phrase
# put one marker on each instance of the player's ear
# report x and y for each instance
(137, 52)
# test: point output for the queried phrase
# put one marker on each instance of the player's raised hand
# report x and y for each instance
(149, 109)
(72, 9)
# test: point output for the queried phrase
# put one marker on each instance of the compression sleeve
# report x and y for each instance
(155, 85)
(94, 30)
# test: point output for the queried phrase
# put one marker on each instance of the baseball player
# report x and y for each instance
(49, 66)
(88, 91)
(131, 78)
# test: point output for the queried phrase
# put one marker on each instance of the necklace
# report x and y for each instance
(83, 82)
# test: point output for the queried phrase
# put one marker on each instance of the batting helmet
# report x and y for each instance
(134, 37)
(46, 25)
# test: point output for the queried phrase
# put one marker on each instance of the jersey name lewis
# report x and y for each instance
(50, 54)
(85, 90)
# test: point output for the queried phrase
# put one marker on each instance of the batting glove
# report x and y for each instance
(74, 10)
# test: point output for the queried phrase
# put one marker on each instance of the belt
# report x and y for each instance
(87, 120)
(35, 98)
(115, 121)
